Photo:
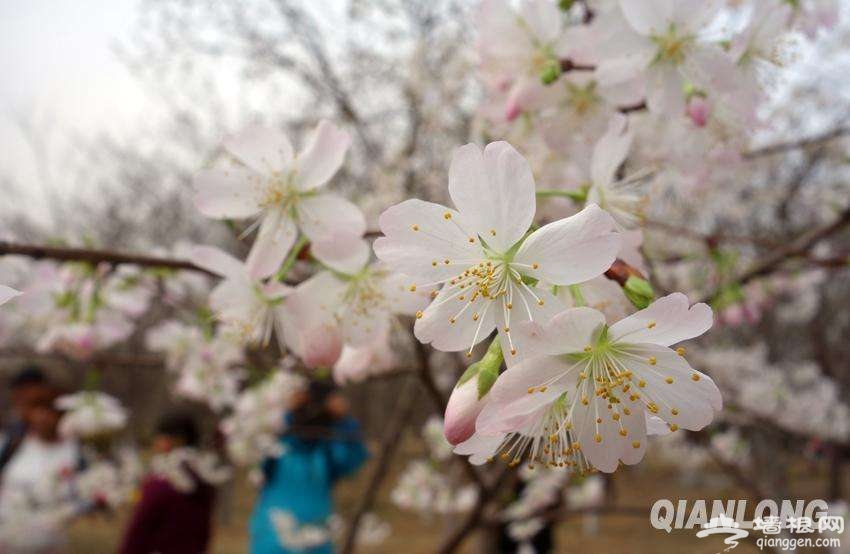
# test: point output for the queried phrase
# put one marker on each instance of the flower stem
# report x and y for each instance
(291, 258)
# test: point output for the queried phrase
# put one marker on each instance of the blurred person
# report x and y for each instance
(36, 498)
(23, 387)
(171, 519)
(321, 444)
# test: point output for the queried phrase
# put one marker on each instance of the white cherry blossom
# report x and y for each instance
(482, 255)
(282, 189)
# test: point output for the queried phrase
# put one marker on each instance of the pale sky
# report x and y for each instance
(58, 70)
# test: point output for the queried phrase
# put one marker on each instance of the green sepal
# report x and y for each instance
(638, 291)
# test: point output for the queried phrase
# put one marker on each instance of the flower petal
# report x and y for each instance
(573, 249)
(328, 216)
(322, 157)
(346, 253)
(7, 293)
(494, 192)
(474, 324)
(567, 332)
(610, 151)
(479, 447)
(231, 192)
(647, 17)
(263, 149)
(511, 403)
(665, 322)
(216, 260)
(274, 240)
(600, 431)
(682, 395)
(419, 239)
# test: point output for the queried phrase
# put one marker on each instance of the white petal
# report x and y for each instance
(543, 18)
(648, 17)
(494, 192)
(572, 250)
(479, 447)
(664, 93)
(435, 326)
(228, 192)
(694, 402)
(510, 402)
(216, 260)
(274, 240)
(361, 328)
(261, 148)
(418, 235)
(7, 293)
(600, 434)
(567, 332)
(523, 303)
(328, 216)
(665, 322)
(611, 151)
(346, 253)
(322, 157)
(693, 16)
(400, 298)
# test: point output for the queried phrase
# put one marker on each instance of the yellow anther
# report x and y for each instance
(674, 411)
(412, 288)
(452, 320)
(513, 351)
(419, 314)
(509, 306)
(652, 360)
(535, 266)
(695, 377)
(652, 407)
(680, 351)
(540, 302)
(641, 383)
(475, 316)
(492, 232)
(588, 348)
(674, 427)
(624, 432)
(542, 389)
(434, 263)
(651, 325)
(669, 380)
(447, 261)
(598, 420)
(627, 411)
(615, 417)
(530, 390)
(636, 444)
(415, 227)
(447, 215)
(471, 240)
(598, 437)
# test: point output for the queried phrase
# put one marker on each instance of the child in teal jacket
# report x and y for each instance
(321, 445)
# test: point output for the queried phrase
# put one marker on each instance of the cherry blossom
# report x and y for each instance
(583, 401)
(283, 189)
(90, 414)
(662, 40)
(481, 254)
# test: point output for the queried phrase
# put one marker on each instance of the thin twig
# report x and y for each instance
(389, 444)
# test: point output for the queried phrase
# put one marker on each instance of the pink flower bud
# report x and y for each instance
(699, 110)
(512, 109)
(321, 346)
(462, 411)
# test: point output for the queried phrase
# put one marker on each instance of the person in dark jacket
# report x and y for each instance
(168, 520)
(23, 388)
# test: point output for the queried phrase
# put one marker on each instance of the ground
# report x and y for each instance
(636, 487)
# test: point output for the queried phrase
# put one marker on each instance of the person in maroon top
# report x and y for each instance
(166, 520)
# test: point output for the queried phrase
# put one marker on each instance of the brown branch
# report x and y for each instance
(795, 248)
(389, 444)
(796, 144)
(473, 520)
(94, 257)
